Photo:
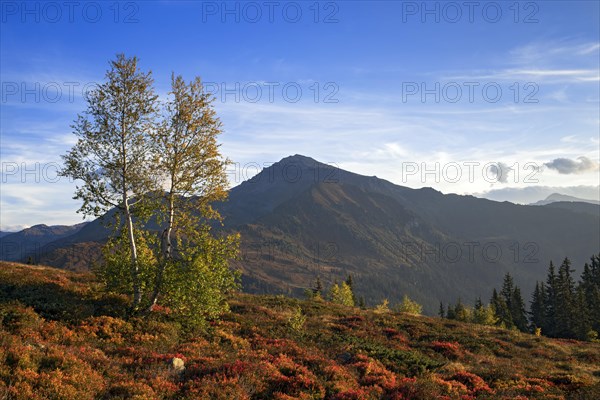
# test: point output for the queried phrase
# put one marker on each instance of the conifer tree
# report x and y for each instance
(538, 308)
(346, 295)
(590, 285)
(517, 311)
(361, 302)
(478, 304)
(334, 293)
(511, 296)
(350, 282)
(508, 287)
(551, 301)
(582, 323)
(501, 310)
(318, 290)
(484, 315)
(450, 312)
(461, 313)
(565, 311)
(341, 294)
(559, 307)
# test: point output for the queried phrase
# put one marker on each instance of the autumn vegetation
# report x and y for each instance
(152, 168)
(63, 337)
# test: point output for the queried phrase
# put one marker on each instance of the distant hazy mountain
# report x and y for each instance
(17, 246)
(300, 219)
(556, 197)
(532, 194)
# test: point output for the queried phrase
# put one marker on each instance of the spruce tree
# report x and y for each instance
(361, 302)
(350, 282)
(478, 304)
(511, 296)
(517, 311)
(477, 310)
(508, 287)
(501, 310)
(318, 290)
(538, 308)
(450, 313)
(565, 311)
(551, 302)
(582, 323)
(590, 285)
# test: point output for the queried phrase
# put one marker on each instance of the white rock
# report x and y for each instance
(177, 364)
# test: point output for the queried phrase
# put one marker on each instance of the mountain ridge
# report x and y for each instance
(301, 219)
(559, 197)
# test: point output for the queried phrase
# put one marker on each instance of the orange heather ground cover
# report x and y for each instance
(61, 338)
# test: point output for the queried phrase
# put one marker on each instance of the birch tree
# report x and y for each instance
(159, 165)
(192, 173)
(112, 153)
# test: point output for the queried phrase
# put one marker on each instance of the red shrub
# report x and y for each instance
(235, 369)
(109, 329)
(473, 382)
(451, 350)
(373, 372)
(373, 392)
(352, 321)
(293, 378)
(339, 380)
(131, 390)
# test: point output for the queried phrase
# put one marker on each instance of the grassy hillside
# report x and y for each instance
(60, 338)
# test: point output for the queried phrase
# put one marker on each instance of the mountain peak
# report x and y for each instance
(300, 160)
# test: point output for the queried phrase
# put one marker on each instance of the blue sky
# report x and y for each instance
(500, 100)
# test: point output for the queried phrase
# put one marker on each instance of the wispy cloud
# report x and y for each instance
(545, 52)
(538, 75)
(558, 61)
